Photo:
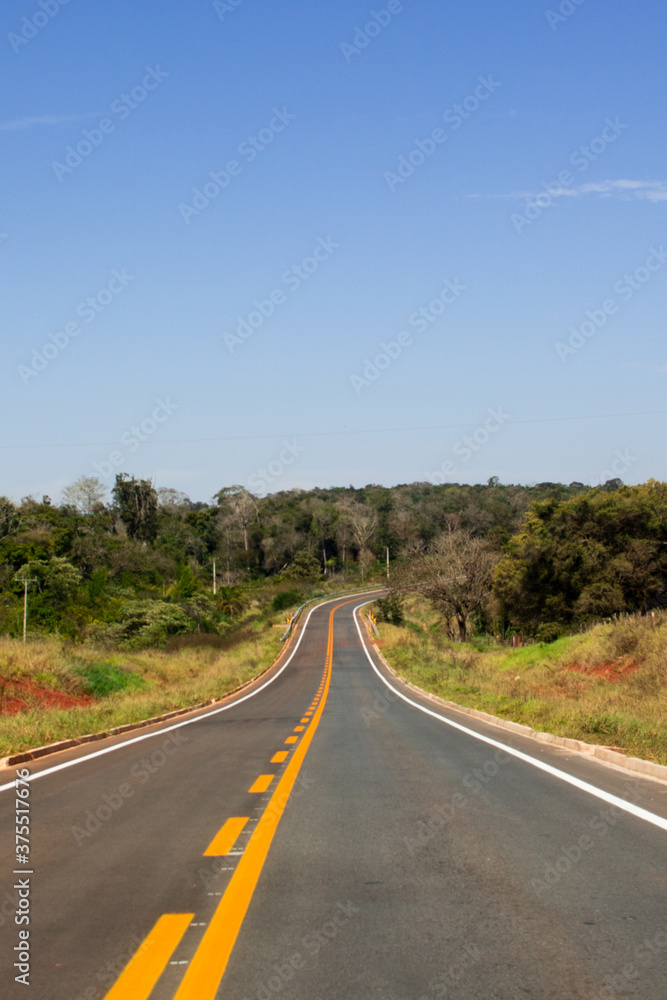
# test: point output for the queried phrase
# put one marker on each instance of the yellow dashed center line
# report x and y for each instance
(205, 972)
(203, 976)
(145, 968)
(226, 837)
(262, 783)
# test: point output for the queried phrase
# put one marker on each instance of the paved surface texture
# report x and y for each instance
(384, 854)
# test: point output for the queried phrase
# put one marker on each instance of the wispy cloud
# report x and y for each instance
(17, 124)
(623, 189)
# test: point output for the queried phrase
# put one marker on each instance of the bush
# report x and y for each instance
(286, 599)
(145, 623)
(103, 679)
(548, 632)
(390, 609)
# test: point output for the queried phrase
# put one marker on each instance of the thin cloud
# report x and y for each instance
(624, 189)
(17, 124)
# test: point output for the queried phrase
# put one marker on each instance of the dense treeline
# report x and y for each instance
(138, 565)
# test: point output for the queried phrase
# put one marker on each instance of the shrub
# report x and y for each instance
(286, 599)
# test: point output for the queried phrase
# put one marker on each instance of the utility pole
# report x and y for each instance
(26, 581)
(387, 562)
(214, 580)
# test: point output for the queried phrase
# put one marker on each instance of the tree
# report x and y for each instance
(242, 506)
(588, 557)
(137, 502)
(455, 574)
(85, 493)
(363, 522)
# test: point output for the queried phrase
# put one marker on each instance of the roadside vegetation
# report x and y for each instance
(605, 685)
(141, 601)
(50, 690)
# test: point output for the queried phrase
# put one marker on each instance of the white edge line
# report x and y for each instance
(176, 725)
(583, 786)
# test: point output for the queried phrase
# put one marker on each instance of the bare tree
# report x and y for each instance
(362, 521)
(173, 500)
(241, 505)
(455, 574)
(85, 493)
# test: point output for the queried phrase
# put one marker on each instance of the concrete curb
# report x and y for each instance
(644, 767)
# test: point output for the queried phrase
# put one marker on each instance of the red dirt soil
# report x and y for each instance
(613, 672)
(20, 696)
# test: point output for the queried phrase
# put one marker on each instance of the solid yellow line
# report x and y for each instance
(262, 783)
(292, 739)
(279, 757)
(226, 837)
(208, 966)
(137, 980)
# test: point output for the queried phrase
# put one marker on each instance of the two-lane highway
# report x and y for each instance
(321, 838)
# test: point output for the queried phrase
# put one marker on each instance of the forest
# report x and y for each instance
(139, 565)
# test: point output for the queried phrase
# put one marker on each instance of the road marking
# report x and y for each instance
(262, 783)
(279, 757)
(177, 725)
(226, 837)
(584, 786)
(292, 739)
(143, 971)
(306, 719)
(203, 976)
(298, 729)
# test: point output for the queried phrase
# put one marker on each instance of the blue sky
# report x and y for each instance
(369, 159)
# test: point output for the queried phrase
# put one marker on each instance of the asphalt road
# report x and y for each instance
(323, 839)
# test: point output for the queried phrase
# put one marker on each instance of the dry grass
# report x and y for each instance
(606, 686)
(150, 682)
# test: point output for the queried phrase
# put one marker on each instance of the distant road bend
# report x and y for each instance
(330, 834)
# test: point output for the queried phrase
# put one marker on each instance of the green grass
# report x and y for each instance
(605, 686)
(128, 687)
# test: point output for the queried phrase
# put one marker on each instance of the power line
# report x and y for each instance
(342, 432)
